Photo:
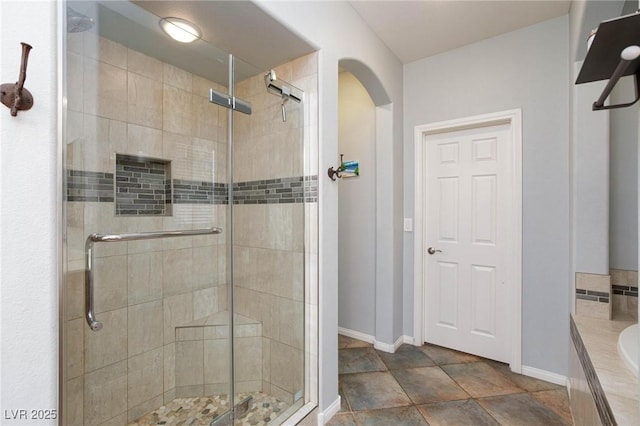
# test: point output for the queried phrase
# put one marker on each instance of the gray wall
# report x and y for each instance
(623, 218)
(515, 70)
(356, 208)
(590, 190)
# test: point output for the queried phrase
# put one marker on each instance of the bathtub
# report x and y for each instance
(628, 347)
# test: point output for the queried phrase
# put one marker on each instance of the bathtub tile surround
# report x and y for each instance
(603, 390)
(593, 295)
(110, 375)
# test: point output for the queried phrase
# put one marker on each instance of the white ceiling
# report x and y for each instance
(416, 29)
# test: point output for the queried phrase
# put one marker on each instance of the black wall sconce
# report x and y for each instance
(333, 173)
(15, 96)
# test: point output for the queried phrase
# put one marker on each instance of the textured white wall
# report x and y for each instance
(515, 70)
(356, 211)
(28, 215)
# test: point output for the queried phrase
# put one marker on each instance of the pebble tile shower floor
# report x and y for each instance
(201, 411)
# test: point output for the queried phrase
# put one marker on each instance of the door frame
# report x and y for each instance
(514, 258)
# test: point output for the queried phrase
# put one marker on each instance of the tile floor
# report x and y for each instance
(431, 385)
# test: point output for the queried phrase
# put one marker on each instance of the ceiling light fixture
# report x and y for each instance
(180, 30)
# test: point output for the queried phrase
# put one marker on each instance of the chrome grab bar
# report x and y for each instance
(94, 324)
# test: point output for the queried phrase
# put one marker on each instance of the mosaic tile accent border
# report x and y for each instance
(625, 290)
(604, 410)
(594, 296)
(143, 186)
(277, 191)
(89, 186)
(99, 187)
(199, 192)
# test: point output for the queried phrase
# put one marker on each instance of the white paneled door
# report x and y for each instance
(465, 255)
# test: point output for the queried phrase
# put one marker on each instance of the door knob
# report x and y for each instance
(431, 250)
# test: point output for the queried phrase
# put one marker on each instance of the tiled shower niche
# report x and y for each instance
(143, 186)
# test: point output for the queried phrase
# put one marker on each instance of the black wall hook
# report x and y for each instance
(333, 173)
(15, 96)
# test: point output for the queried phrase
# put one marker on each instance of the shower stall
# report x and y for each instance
(189, 222)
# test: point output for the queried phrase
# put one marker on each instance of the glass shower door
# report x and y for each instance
(146, 316)
(268, 243)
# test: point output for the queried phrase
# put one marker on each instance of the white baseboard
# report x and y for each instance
(326, 415)
(381, 346)
(547, 376)
(356, 335)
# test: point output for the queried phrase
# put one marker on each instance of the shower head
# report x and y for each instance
(282, 88)
(78, 22)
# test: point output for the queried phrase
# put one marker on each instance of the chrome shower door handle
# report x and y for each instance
(90, 315)
(433, 251)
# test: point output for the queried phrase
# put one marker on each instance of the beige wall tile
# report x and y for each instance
(189, 391)
(75, 73)
(104, 86)
(206, 158)
(266, 359)
(632, 278)
(101, 140)
(144, 272)
(248, 363)
(118, 420)
(281, 394)
(248, 386)
(178, 311)
(105, 393)
(216, 361)
(177, 111)
(170, 395)
(189, 363)
(286, 367)
(110, 283)
(177, 271)
(201, 86)
(589, 308)
(593, 282)
(74, 348)
(144, 101)
(189, 333)
(177, 148)
(144, 408)
(73, 402)
(205, 266)
(145, 378)
(205, 302)
(144, 141)
(108, 345)
(144, 65)
(205, 118)
(104, 50)
(73, 293)
(169, 366)
(177, 77)
(145, 327)
(618, 276)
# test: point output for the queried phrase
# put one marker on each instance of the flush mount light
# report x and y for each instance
(180, 30)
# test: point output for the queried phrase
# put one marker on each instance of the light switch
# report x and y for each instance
(408, 224)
